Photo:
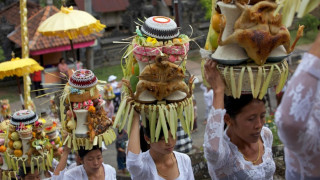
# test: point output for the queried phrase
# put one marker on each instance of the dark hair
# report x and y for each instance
(82, 152)
(146, 130)
(28, 170)
(234, 106)
(61, 60)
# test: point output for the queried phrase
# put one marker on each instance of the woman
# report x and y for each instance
(298, 118)
(28, 175)
(243, 150)
(160, 162)
(116, 86)
(92, 166)
(63, 69)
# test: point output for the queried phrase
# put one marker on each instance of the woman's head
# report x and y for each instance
(161, 146)
(245, 116)
(28, 175)
(91, 159)
(61, 60)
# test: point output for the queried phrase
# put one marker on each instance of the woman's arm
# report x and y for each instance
(135, 164)
(63, 161)
(215, 148)
(296, 116)
(134, 136)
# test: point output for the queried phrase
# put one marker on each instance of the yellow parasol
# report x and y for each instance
(20, 67)
(70, 23)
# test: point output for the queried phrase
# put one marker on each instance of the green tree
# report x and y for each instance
(2, 57)
(56, 3)
(310, 22)
(207, 4)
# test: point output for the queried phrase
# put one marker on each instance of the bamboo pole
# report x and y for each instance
(28, 103)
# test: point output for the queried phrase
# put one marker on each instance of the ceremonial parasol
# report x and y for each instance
(19, 67)
(70, 23)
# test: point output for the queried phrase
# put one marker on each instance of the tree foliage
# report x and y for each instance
(56, 3)
(310, 22)
(2, 57)
(207, 4)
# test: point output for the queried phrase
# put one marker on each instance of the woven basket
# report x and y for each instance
(85, 96)
(252, 78)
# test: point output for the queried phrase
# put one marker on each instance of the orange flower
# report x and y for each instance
(3, 148)
(92, 109)
(17, 153)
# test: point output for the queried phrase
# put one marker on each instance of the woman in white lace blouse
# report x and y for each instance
(243, 150)
(298, 118)
(158, 163)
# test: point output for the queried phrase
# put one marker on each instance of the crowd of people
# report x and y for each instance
(237, 145)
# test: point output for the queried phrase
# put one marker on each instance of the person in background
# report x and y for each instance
(195, 112)
(109, 96)
(121, 144)
(28, 175)
(78, 65)
(298, 118)
(116, 86)
(63, 69)
(36, 81)
(208, 98)
(109, 108)
(184, 142)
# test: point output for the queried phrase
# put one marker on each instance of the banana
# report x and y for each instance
(118, 116)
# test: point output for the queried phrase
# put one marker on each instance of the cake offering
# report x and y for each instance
(253, 44)
(84, 117)
(155, 81)
(26, 142)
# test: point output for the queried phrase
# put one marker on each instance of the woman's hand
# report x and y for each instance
(213, 76)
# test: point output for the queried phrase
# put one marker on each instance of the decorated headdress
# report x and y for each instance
(86, 119)
(51, 128)
(26, 144)
(154, 78)
(253, 45)
(5, 109)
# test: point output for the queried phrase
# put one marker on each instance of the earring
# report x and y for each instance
(148, 142)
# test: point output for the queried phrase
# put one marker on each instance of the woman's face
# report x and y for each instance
(162, 147)
(93, 160)
(248, 123)
(34, 176)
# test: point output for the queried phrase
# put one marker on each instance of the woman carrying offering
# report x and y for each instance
(243, 150)
(92, 166)
(160, 162)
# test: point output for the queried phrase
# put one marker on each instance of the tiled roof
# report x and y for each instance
(12, 15)
(105, 6)
(36, 40)
(167, 2)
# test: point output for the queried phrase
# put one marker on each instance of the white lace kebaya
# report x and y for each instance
(223, 157)
(298, 121)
